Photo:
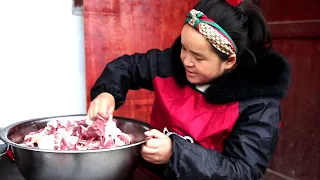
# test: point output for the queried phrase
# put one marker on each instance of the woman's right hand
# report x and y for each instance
(102, 105)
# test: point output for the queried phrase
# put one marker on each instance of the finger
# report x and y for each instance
(148, 134)
(111, 108)
(155, 133)
(103, 109)
(153, 143)
(95, 111)
(110, 115)
(151, 158)
(111, 101)
(147, 158)
(149, 151)
(91, 111)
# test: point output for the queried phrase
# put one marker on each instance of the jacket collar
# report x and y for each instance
(270, 78)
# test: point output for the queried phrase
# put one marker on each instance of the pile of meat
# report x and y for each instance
(77, 135)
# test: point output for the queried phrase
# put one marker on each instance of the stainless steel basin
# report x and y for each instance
(103, 164)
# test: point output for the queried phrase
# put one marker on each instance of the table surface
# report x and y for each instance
(9, 171)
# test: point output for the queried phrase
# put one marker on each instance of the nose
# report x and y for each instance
(187, 61)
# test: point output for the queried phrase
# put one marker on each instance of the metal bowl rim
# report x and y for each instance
(4, 138)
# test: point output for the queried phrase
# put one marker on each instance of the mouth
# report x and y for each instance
(190, 72)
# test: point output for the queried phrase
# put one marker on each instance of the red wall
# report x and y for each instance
(295, 27)
(116, 27)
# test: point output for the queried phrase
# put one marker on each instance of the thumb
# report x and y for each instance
(155, 133)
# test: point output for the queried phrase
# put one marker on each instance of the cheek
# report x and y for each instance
(182, 55)
(207, 70)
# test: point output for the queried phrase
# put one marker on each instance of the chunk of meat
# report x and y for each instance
(78, 135)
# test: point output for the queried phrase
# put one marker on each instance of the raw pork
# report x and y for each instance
(78, 135)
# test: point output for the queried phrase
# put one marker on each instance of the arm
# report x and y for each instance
(129, 72)
(247, 150)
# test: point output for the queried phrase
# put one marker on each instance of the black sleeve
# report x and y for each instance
(246, 153)
(129, 72)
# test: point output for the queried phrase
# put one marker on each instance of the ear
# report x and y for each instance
(230, 62)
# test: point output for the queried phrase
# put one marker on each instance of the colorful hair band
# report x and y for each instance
(217, 37)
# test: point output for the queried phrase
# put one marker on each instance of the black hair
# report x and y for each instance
(244, 23)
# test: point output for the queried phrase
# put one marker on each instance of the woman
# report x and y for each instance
(216, 112)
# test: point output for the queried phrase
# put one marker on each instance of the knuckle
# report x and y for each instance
(156, 158)
(92, 104)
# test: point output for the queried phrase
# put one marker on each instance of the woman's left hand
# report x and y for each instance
(158, 148)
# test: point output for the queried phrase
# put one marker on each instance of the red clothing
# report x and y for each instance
(184, 111)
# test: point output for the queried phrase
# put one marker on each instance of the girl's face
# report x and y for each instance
(201, 63)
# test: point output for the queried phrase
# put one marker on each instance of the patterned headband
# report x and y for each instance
(212, 32)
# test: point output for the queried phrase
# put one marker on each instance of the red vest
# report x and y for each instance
(184, 111)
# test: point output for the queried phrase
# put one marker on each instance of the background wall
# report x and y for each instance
(296, 36)
(41, 60)
(110, 31)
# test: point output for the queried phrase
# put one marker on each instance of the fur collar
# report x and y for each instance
(269, 78)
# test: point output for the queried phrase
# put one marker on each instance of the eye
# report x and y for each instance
(199, 59)
(182, 47)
